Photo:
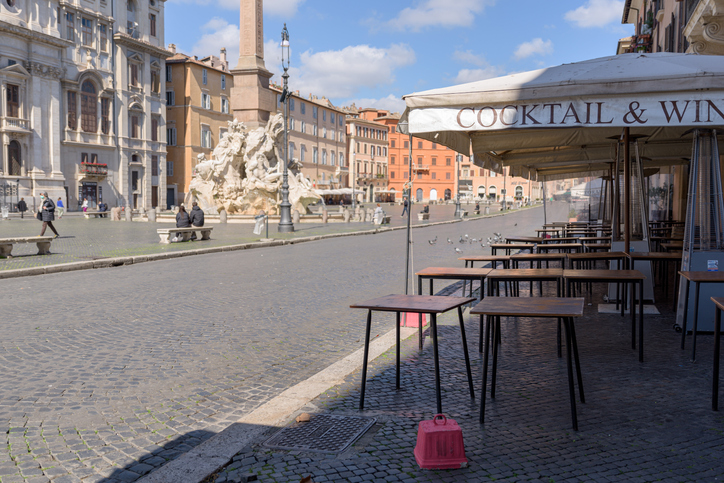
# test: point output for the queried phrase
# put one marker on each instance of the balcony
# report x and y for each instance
(422, 168)
(96, 170)
(16, 124)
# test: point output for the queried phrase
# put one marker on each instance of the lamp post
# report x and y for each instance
(458, 209)
(285, 213)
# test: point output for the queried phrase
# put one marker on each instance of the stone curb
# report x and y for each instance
(211, 455)
(130, 260)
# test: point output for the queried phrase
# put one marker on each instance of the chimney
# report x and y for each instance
(224, 63)
(172, 48)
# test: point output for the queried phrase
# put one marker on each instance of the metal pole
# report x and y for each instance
(626, 190)
(458, 209)
(545, 215)
(285, 215)
(409, 218)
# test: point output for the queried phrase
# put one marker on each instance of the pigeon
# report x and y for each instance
(475, 240)
(449, 241)
(431, 242)
(462, 240)
(515, 224)
(466, 236)
(435, 239)
(458, 251)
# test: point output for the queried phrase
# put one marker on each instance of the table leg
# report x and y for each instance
(569, 362)
(397, 352)
(574, 341)
(480, 338)
(364, 362)
(438, 394)
(419, 330)
(632, 311)
(488, 328)
(715, 372)
(431, 288)
(686, 312)
(641, 321)
(696, 322)
(465, 351)
(496, 334)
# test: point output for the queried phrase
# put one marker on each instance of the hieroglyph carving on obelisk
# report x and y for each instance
(251, 38)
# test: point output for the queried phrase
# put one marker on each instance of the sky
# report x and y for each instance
(373, 52)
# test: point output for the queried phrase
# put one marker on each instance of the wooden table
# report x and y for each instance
(664, 257)
(592, 247)
(523, 239)
(545, 307)
(543, 231)
(673, 246)
(560, 246)
(698, 277)
(508, 247)
(493, 259)
(524, 275)
(536, 257)
(718, 306)
(421, 304)
(631, 277)
(561, 239)
(579, 258)
(595, 239)
(659, 241)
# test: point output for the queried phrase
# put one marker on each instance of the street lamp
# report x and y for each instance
(458, 209)
(285, 213)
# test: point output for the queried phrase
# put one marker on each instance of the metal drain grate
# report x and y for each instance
(323, 434)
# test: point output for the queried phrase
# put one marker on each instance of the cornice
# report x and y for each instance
(86, 11)
(26, 33)
(125, 39)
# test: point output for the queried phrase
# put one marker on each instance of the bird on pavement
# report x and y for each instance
(449, 241)
(431, 242)
(462, 240)
(457, 250)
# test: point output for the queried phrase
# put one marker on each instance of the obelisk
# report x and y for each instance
(251, 99)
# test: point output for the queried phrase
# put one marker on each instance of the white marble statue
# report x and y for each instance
(244, 174)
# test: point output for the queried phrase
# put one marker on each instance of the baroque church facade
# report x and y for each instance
(83, 109)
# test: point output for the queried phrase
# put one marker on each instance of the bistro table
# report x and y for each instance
(421, 304)
(718, 306)
(631, 277)
(523, 239)
(493, 259)
(673, 246)
(543, 232)
(508, 247)
(561, 239)
(698, 277)
(570, 247)
(663, 257)
(540, 258)
(524, 275)
(544, 307)
(575, 260)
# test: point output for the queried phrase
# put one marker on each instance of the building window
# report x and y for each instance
(291, 103)
(315, 129)
(303, 150)
(291, 150)
(392, 174)
(205, 101)
(392, 160)
(333, 160)
(433, 175)
(105, 115)
(303, 107)
(86, 28)
(88, 107)
(223, 82)
(404, 175)
(314, 112)
(135, 78)
(103, 29)
(331, 117)
(324, 132)
(70, 26)
(224, 105)
(222, 131)
(448, 161)
(365, 148)
(154, 129)
(13, 100)
(170, 98)
(204, 77)
(324, 115)
(419, 145)
(324, 156)
(135, 126)
(434, 161)
(72, 111)
(155, 81)
(205, 138)
(152, 22)
(392, 143)
(341, 159)
(392, 129)
(154, 165)
(169, 168)
(315, 155)
(447, 175)
(303, 128)
(434, 145)
(171, 139)
(405, 144)
(168, 73)
(341, 121)
(14, 159)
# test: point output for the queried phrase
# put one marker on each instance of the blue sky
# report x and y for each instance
(375, 51)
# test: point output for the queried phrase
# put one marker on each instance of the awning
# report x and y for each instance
(568, 114)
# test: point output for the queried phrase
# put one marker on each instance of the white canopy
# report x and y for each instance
(555, 122)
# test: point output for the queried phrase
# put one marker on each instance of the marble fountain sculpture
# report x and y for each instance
(244, 174)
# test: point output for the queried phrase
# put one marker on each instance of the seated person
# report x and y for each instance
(182, 220)
(426, 209)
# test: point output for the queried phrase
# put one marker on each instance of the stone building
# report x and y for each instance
(198, 100)
(367, 148)
(81, 98)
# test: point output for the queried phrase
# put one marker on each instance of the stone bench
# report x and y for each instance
(166, 233)
(43, 243)
(423, 216)
(382, 220)
(95, 214)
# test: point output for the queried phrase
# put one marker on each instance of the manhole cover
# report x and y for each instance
(323, 434)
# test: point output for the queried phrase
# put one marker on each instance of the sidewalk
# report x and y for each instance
(642, 422)
(84, 240)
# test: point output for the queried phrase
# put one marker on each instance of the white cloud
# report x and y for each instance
(341, 73)
(218, 33)
(596, 13)
(286, 8)
(472, 75)
(430, 13)
(468, 57)
(390, 103)
(535, 46)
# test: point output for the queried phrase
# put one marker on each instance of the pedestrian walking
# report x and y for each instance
(85, 205)
(182, 220)
(196, 217)
(60, 208)
(22, 207)
(46, 214)
(405, 207)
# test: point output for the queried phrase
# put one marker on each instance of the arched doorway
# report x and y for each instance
(418, 194)
(14, 160)
(481, 192)
(518, 192)
(433, 194)
(448, 194)
(492, 191)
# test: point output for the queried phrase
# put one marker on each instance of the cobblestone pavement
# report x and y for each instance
(107, 374)
(642, 422)
(92, 239)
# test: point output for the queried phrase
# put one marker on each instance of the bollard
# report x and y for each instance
(440, 444)
(151, 215)
(129, 214)
(223, 216)
(346, 216)
(295, 216)
(324, 216)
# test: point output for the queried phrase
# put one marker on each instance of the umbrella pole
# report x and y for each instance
(409, 218)
(626, 190)
(545, 215)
